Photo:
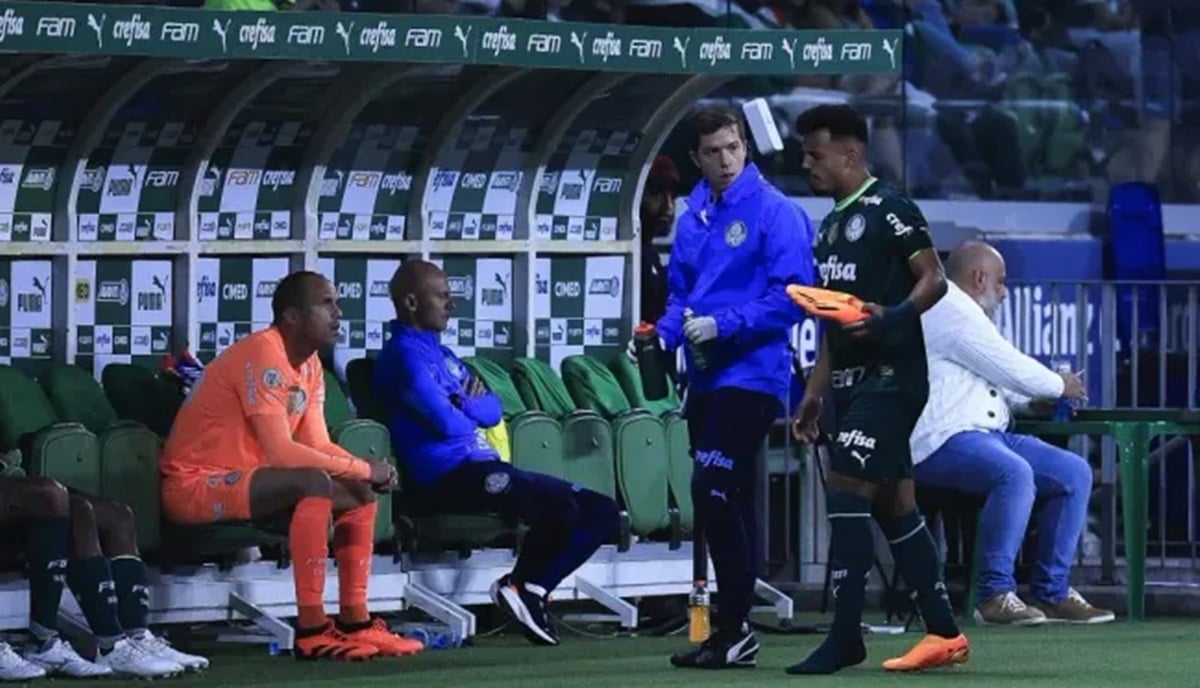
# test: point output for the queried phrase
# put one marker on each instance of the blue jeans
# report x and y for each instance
(1013, 470)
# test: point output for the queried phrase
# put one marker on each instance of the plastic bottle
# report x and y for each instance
(698, 358)
(432, 636)
(1064, 407)
(699, 626)
(649, 352)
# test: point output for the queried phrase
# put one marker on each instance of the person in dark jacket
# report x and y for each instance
(657, 213)
(737, 247)
(437, 412)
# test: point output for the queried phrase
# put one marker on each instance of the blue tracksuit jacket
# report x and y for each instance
(732, 259)
(415, 377)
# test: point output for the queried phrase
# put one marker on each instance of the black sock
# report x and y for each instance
(917, 558)
(92, 583)
(133, 592)
(47, 549)
(853, 551)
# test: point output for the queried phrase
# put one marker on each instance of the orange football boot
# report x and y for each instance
(389, 644)
(327, 642)
(932, 652)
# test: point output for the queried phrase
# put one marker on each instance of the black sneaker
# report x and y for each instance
(737, 650)
(527, 605)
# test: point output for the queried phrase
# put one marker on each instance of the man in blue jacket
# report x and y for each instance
(437, 412)
(737, 247)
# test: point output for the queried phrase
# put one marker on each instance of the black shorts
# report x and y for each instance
(871, 439)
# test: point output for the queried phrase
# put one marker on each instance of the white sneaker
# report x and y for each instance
(60, 659)
(159, 647)
(128, 658)
(13, 667)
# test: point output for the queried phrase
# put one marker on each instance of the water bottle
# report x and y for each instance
(649, 352)
(432, 636)
(1064, 407)
(273, 647)
(699, 627)
(698, 358)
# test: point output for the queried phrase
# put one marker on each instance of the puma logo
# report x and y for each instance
(344, 31)
(681, 46)
(98, 27)
(222, 30)
(890, 49)
(577, 41)
(790, 49)
(463, 37)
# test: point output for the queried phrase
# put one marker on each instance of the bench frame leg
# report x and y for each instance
(275, 629)
(458, 618)
(627, 612)
(781, 603)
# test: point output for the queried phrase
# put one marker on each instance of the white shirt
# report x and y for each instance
(974, 374)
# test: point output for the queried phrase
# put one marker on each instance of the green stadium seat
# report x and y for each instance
(535, 439)
(639, 445)
(137, 393)
(419, 529)
(359, 387)
(337, 404)
(67, 452)
(129, 451)
(363, 438)
(679, 446)
(587, 455)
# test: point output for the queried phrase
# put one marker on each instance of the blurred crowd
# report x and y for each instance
(1000, 99)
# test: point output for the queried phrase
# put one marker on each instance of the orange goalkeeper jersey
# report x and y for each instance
(213, 430)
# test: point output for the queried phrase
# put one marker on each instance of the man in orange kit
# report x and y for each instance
(250, 444)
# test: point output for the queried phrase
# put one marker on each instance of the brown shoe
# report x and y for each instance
(1074, 609)
(1006, 609)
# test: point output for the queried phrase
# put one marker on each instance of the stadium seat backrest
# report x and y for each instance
(359, 379)
(24, 408)
(593, 386)
(138, 394)
(630, 379)
(77, 397)
(67, 452)
(499, 382)
(541, 388)
(337, 407)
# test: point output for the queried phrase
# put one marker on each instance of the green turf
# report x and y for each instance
(1160, 653)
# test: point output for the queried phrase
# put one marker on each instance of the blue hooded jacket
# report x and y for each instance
(434, 425)
(732, 259)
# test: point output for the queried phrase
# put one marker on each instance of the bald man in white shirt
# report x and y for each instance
(962, 442)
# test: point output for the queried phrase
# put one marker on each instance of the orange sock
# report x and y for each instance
(353, 546)
(308, 538)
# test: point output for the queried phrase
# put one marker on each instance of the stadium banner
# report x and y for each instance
(483, 323)
(362, 289)
(130, 187)
(233, 299)
(31, 152)
(26, 339)
(208, 34)
(577, 306)
(123, 311)
(249, 186)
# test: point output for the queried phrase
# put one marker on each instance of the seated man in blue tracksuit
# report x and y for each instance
(737, 247)
(436, 412)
